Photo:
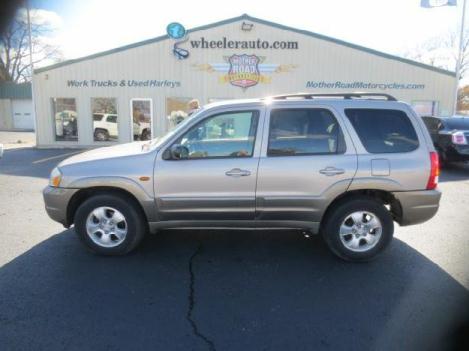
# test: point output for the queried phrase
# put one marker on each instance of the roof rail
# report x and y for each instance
(347, 96)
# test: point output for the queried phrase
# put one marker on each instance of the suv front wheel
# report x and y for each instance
(358, 229)
(110, 224)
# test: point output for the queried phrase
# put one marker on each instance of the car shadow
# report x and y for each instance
(33, 162)
(225, 290)
(454, 172)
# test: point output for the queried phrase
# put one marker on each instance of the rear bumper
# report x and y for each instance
(56, 201)
(417, 206)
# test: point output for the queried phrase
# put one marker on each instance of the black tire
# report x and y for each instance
(101, 135)
(146, 135)
(330, 229)
(137, 226)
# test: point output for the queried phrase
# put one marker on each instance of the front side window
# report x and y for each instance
(225, 135)
(104, 113)
(304, 132)
(383, 131)
(64, 112)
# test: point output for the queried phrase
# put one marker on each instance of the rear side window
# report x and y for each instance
(383, 131)
(304, 132)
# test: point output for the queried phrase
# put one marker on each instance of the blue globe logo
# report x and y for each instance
(176, 30)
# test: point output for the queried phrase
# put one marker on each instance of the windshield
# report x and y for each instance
(456, 123)
(161, 140)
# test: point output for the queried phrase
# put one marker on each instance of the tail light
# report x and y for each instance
(458, 138)
(434, 171)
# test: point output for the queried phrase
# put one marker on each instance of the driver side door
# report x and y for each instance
(214, 178)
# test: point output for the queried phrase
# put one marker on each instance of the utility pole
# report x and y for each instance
(460, 55)
(31, 65)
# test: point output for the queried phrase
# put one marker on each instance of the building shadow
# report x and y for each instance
(225, 290)
(455, 172)
(33, 162)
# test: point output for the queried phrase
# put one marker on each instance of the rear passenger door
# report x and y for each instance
(306, 159)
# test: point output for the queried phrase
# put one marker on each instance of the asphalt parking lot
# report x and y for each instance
(224, 290)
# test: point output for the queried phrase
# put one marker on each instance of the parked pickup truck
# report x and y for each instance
(345, 166)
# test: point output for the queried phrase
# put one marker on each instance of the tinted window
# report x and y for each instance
(304, 132)
(224, 135)
(112, 119)
(383, 131)
(457, 123)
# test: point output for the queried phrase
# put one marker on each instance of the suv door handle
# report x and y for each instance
(331, 171)
(237, 172)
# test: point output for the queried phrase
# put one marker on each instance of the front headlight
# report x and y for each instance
(55, 177)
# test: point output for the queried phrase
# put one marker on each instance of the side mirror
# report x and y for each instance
(179, 152)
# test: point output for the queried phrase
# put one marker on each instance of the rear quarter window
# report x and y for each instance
(383, 131)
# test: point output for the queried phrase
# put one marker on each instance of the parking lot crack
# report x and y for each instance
(192, 301)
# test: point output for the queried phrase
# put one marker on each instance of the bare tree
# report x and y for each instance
(442, 52)
(14, 47)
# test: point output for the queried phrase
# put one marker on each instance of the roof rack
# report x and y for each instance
(347, 96)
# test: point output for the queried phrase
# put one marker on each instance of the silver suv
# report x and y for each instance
(343, 165)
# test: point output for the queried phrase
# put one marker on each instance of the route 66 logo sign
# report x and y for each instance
(244, 70)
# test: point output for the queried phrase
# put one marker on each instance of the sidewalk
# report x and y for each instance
(13, 140)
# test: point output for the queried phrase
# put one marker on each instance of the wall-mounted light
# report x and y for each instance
(247, 26)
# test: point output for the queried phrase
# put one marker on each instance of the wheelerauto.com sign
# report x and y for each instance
(225, 43)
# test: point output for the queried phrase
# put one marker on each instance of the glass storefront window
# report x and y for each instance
(104, 114)
(142, 119)
(426, 108)
(64, 112)
(210, 100)
(179, 108)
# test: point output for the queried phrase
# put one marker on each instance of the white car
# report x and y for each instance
(105, 126)
(142, 130)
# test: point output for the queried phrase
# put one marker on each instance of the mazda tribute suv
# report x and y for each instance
(346, 166)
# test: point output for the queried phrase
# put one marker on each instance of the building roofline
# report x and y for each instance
(258, 20)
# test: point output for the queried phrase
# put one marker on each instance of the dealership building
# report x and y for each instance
(142, 90)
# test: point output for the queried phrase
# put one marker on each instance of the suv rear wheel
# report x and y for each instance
(358, 229)
(110, 224)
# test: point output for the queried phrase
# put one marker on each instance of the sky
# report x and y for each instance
(85, 27)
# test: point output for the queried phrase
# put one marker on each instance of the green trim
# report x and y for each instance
(258, 20)
(11, 90)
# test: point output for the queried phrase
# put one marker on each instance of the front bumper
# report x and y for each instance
(56, 201)
(417, 206)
